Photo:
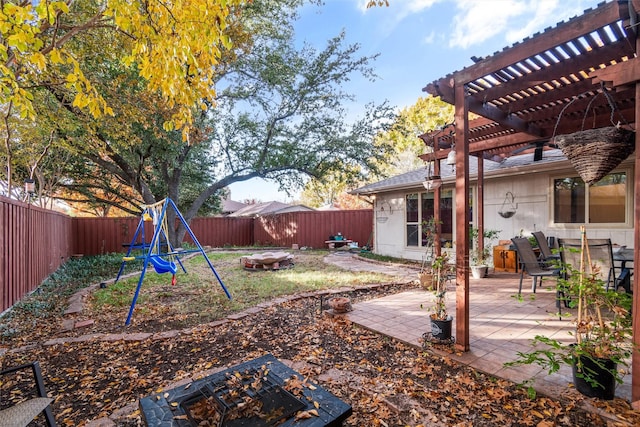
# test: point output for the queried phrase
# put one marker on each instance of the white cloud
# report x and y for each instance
(473, 22)
(429, 38)
(476, 21)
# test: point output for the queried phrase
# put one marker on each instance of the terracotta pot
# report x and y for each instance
(340, 304)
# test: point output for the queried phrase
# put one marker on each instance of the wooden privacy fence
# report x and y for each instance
(313, 228)
(34, 242)
(95, 236)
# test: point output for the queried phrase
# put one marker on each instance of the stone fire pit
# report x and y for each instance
(267, 261)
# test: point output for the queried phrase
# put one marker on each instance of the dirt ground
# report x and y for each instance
(103, 369)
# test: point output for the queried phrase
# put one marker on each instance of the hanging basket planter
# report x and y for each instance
(596, 152)
(508, 208)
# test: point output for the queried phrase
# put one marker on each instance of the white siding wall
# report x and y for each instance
(532, 192)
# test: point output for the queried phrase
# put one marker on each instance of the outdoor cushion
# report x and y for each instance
(21, 414)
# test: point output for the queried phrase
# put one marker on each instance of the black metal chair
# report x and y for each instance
(23, 413)
(601, 257)
(530, 264)
(546, 254)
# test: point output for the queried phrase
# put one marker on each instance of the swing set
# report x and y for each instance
(159, 252)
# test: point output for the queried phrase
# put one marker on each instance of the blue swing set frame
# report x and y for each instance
(152, 254)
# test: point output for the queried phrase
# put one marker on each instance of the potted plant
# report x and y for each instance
(602, 336)
(479, 256)
(440, 318)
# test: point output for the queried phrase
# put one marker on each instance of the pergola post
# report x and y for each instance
(635, 357)
(437, 247)
(462, 218)
(480, 201)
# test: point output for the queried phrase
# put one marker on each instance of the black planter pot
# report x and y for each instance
(441, 329)
(600, 371)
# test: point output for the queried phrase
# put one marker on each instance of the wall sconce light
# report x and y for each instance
(432, 182)
(451, 157)
(29, 186)
(388, 210)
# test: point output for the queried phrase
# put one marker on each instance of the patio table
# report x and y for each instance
(624, 256)
(333, 244)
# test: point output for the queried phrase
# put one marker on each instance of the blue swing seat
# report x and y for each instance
(163, 266)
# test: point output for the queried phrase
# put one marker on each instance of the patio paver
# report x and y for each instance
(499, 326)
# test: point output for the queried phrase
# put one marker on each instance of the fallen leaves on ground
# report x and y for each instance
(387, 383)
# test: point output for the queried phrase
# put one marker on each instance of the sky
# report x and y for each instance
(418, 42)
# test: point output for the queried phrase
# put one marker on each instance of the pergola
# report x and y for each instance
(555, 82)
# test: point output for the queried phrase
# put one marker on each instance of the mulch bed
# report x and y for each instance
(387, 383)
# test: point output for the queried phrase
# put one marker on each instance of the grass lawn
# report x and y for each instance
(197, 296)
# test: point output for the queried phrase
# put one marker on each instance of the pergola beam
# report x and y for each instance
(576, 27)
(485, 110)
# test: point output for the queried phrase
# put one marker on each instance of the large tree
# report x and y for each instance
(279, 114)
(401, 150)
(426, 114)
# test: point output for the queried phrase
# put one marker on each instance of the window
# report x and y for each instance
(419, 208)
(604, 202)
(413, 228)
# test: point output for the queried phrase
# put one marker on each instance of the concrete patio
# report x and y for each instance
(500, 326)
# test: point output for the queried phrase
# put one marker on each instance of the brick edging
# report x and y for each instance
(388, 263)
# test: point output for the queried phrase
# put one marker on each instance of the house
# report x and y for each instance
(333, 206)
(230, 206)
(545, 193)
(268, 208)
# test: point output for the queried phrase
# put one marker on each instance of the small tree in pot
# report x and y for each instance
(479, 255)
(440, 318)
(602, 332)
(430, 234)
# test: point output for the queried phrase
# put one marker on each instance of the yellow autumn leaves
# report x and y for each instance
(174, 45)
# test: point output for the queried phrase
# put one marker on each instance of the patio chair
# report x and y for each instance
(530, 264)
(23, 413)
(601, 257)
(545, 251)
